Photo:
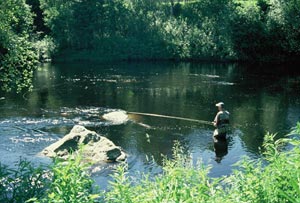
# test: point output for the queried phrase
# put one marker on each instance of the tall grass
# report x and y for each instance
(273, 178)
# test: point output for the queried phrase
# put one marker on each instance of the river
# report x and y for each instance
(67, 94)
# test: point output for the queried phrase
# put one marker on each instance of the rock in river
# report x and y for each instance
(95, 148)
(116, 117)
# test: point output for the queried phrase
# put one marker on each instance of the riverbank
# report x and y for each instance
(97, 56)
(204, 30)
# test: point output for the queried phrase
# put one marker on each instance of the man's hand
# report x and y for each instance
(214, 123)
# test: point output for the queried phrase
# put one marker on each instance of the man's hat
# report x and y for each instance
(220, 104)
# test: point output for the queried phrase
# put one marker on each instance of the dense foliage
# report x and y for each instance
(273, 178)
(17, 55)
(22, 183)
(141, 29)
(261, 30)
(253, 30)
(20, 46)
(70, 183)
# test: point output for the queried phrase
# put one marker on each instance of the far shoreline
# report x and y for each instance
(95, 57)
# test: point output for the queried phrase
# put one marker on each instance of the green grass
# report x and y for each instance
(273, 178)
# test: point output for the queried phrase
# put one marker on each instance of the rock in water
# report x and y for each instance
(116, 117)
(95, 149)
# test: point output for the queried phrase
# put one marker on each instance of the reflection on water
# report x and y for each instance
(221, 149)
(69, 94)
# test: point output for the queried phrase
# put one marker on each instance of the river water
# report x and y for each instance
(69, 94)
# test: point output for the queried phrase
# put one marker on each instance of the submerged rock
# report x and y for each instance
(95, 148)
(116, 117)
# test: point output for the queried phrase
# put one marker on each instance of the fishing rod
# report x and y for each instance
(171, 117)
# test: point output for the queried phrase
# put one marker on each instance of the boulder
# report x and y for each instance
(116, 117)
(95, 148)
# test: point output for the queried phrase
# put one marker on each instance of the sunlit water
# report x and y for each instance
(69, 94)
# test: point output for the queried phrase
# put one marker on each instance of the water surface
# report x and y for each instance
(69, 94)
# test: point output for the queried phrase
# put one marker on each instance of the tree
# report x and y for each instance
(17, 56)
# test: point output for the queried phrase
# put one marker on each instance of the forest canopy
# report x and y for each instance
(239, 30)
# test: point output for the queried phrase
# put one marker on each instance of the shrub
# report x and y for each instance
(20, 184)
(18, 56)
(70, 183)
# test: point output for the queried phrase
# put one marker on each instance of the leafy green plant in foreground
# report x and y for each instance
(20, 184)
(181, 181)
(70, 184)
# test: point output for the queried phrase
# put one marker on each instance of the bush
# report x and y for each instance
(284, 18)
(249, 35)
(21, 184)
(18, 56)
(18, 64)
(70, 183)
(180, 182)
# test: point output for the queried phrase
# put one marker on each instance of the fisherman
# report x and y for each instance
(221, 123)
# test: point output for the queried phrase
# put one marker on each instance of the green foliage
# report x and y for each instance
(267, 30)
(260, 30)
(284, 17)
(248, 33)
(22, 45)
(276, 182)
(17, 53)
(211, 22)
(17, 65)
(141, 29)
(264, 5)
(254, 30)
(44, 48)
(38, 17)
(20, 184)
(70, 184)
(180, 182)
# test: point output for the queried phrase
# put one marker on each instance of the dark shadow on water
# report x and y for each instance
(220, 148)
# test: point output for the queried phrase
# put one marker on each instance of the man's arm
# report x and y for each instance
(216, 120)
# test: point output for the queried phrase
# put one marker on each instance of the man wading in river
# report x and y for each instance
(221, 123)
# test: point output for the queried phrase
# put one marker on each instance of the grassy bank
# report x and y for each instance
(273, 178)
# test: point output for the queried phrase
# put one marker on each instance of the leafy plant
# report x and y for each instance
(18, 58)
(24, 182)
(70, 183)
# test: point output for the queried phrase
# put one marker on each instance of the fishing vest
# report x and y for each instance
(222, 122)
